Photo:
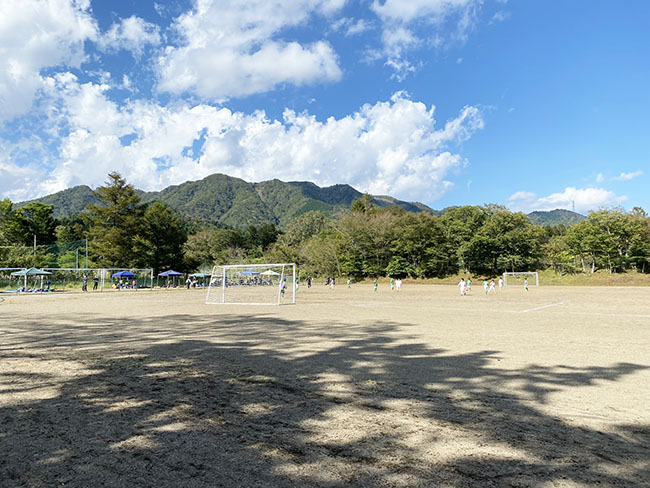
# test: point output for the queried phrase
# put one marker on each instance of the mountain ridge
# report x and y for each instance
(227, 200)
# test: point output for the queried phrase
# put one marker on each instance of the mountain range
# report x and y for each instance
(226, 200)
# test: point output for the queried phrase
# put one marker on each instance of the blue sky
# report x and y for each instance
(531, 104)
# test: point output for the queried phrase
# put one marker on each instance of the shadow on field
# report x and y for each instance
(260, 401)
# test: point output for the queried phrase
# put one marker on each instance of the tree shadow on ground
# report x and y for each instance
(262, 401)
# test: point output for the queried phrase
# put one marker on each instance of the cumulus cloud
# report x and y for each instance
(391, 147)
(402, 18)
(233, 49)
(34, 35)
(628, 176)
(132, 34)
(584, 199)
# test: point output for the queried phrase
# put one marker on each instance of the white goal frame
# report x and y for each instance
(520, 273)
(219, 274)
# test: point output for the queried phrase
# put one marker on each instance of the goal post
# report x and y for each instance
(252, 284)
(518, 277)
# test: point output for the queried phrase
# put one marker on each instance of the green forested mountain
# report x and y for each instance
(555, 217)
(232, 201)
(68, 202)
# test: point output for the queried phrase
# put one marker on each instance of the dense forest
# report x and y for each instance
(366, 241)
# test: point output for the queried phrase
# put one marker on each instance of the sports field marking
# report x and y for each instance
(543, 306)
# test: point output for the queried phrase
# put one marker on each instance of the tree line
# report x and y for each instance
(364, 242)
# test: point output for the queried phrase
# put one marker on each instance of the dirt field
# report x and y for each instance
(345, 388)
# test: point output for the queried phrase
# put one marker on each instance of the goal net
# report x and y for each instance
(515, 278)
(253, 284)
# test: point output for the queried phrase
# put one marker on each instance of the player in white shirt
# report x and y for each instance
(500, 284)
(462, 286)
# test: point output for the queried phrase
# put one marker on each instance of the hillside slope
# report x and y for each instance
(232, 201)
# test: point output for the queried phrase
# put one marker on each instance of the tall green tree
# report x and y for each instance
(115, 223)
(159, 243)
(6, 215)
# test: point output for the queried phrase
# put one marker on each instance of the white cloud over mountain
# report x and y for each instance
(391, 147)
(584, 199)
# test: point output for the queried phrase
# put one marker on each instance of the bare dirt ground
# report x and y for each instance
(544, 388)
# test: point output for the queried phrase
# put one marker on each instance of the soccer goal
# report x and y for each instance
(253, 284)
(518, 277)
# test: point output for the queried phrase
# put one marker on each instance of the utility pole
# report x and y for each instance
(34, 249)
(86, 253)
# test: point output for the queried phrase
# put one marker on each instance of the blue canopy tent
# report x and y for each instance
(170, 273)
(123, 274)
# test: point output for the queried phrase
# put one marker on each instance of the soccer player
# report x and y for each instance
(500, 284)
(398, 284)
(469, 284)
(375, 284)
(485, 286)
(392, 284)
(462, 286)
(491, 286)
(526, 284)
(348, 282)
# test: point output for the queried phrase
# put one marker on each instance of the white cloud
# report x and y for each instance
(131, 34)
(500, 16)
(584, 199)
(402, 18)
(17, 182)
(233, 49)
(600, 178)
(628, 176)
(390, 147)
(37, 34)
(351, 27)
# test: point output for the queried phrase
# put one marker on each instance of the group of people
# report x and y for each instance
(488, 286)
(396, 284)
(121, 284)
(84, 283)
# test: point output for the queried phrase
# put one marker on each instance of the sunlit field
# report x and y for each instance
(346, 388)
